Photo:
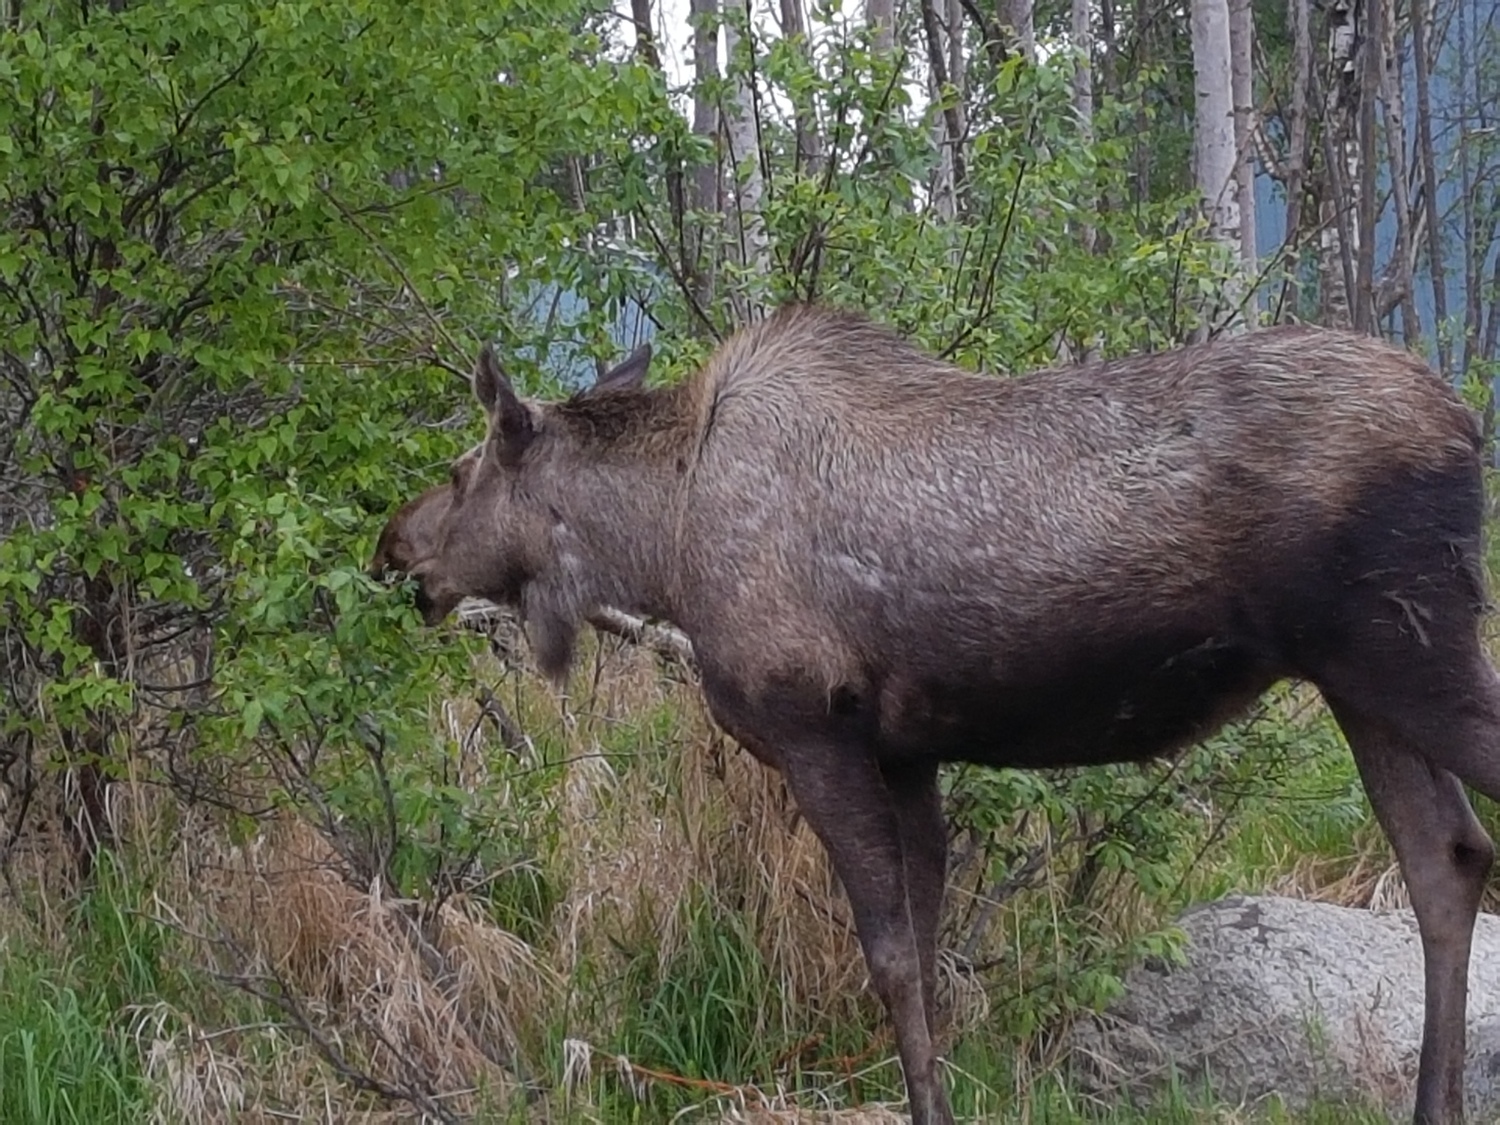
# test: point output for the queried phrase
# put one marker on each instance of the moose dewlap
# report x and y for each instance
(885, 563)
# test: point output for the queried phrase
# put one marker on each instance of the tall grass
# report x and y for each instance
(650, 931)
(67, 1054)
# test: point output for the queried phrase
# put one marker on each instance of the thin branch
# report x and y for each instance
(391, 260)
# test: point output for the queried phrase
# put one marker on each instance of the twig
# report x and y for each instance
(660, 639)
(391, 260)
(278, 997)
(512, 737)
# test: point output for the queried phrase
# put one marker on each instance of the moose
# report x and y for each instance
(885, 563)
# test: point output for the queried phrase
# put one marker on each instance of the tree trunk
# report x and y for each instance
(746, 181)
(645, 48)
(880, 15)
(1435, 260)
(949, 131)
(1080, 29)
(1479, 222)
(1395, 142)
(1081, 26)
(1339, 240)
(1371, 74)
(1214, 157)
(809, 140)
(645, 39)
(1242, 87)
(703, 198)
(102, 626)
(1018, 21)
(958, 65)
(886, 67)
(1109, 65)
(1297, 149)
(1142, 155)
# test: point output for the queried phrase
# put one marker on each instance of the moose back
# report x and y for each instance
(885, 563)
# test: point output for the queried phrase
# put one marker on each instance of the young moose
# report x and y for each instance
(885, 563)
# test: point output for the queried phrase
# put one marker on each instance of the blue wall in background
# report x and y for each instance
(566, 361)
(1270, 199)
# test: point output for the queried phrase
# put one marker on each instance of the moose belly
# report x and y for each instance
(1126, 704)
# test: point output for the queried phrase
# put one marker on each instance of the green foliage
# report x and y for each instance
(238, 237)
(983, 1084)
(1224, 816)
(243, 237)
(1049, 245)
(62, 1057)
(709, 1011)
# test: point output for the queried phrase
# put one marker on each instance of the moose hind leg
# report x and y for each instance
(1445, 857)
(914, 794)
(843, 795)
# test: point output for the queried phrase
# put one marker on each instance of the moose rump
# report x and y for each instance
(885, 563)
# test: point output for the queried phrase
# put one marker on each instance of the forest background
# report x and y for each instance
(272, 852)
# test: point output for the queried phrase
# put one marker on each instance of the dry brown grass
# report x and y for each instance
(433, 1002)
(653, 809)
(437, 998)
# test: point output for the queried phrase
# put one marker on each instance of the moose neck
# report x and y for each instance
(616, 496)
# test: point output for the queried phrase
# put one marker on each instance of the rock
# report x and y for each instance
(1304, 1000)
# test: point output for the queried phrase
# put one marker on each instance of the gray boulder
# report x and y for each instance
(1301, 1000)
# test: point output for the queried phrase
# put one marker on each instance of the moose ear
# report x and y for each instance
(629, 373)
(510, 421)
(488, 378)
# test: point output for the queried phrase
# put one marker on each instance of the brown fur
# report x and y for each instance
(411, 535)
(884, 563)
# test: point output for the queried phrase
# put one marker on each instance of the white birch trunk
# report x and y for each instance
(1214, 152)
(1019, 17)
(742, 142)
(880, 15)
(703, 187)
(1081, 25)
(1338, 242)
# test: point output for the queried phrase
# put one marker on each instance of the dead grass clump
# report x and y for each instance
(766, 860)
(1368, 879)
(432, 999)
(772, 1115)
(690, 816)
(248, 1076)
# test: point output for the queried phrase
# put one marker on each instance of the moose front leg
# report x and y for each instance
(846, 800)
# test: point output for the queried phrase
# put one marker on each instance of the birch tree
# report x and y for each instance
(703, 190)
(1083, 71)
(1339, 195)
(1214, 150)
(1421, 65)
(1241, 50)
(743, 157)
(1399, 286)
(1018, 18)
(1297, 155)
(880, 15)
(809, 140)
(1370, 71)
(943, 30)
